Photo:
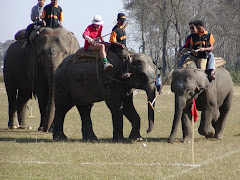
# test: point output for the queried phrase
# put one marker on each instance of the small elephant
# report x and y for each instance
(212, 98)
(83, 83)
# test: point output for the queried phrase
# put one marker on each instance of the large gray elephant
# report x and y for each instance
(18, 85)
(32, 69)
(212, 98)
(83, 83)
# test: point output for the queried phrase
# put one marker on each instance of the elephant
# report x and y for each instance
(32, 69)
(18, 85)
(81, 84)
(213, 99)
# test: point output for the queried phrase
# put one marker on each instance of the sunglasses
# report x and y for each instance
(191, 27)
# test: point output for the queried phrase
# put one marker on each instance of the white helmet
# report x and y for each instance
(97, 19)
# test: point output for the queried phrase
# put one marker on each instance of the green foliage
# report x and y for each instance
(235, 76)
(29, 154)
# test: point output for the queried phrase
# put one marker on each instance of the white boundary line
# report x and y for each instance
(203, 163)
(134, 164)
(100, 163)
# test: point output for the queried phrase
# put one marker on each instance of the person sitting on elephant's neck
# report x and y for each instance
(36, 17)
(201, 44)
(186, 47)
(92, 34)
(208, 48)
(118, 43)
(52, 15)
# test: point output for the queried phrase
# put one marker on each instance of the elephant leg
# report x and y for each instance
(115, 104)
(206, 129)
(187, 125)
(12, 109)
(131, 114)
(42, 102)
(60, 112)
(23, 97)
(87, 129)
(220, 123)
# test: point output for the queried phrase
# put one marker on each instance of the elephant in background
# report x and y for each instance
(18, 85)
(81, 84)
(32, 69)
(212, 98)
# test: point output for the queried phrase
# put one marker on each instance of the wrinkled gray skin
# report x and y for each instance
(35, 67)
(214, 102)
(83, 84)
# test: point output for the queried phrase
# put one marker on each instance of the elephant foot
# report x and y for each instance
(58, 137)
(171, 139)
(25, 127)
(90, 138)
(207, 133)
(218, 136)
(40, 129)
(119, 140)
(187, 140)
(13, 127)
(135, 137)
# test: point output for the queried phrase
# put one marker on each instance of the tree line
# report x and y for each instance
(161, 27)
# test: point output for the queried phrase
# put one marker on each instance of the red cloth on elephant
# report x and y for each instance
(194, 110)
(92, 33)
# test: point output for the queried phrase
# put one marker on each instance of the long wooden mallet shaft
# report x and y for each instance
(123, 29)
(151, 104)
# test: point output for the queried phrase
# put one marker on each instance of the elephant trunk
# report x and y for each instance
(179, 106)
(151, 95)
(51, 102)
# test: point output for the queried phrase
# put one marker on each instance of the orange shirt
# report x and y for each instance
(211, 39)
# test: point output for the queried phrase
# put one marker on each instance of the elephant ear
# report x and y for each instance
(201, 78)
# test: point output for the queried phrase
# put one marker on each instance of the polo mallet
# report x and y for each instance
(151, 104)
(123, 29)
(31, 116)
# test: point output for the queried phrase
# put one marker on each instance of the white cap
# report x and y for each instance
(97, 19)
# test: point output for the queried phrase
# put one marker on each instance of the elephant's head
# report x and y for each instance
(50, 47)
(186, 84)
(143, 74)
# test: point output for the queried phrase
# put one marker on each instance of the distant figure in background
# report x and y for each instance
(158, 82)
(52, 15)
(36, 17)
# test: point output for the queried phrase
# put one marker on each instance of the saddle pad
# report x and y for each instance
(86, 56)
(219, 61)
(20, 35)
(81, 54)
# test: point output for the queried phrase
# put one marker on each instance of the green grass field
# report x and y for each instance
(29, 154)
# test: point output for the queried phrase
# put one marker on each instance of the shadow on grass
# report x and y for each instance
(25, 140)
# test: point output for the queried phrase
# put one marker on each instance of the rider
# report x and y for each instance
(118, 42)
(36, 17)
(201, 45)
(94, 31)
(52, 15)
(186, 47)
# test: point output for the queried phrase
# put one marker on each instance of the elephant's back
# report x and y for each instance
(15, 66)
(224, 76)
(224, 84)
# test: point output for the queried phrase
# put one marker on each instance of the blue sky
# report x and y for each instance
(78, 14)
